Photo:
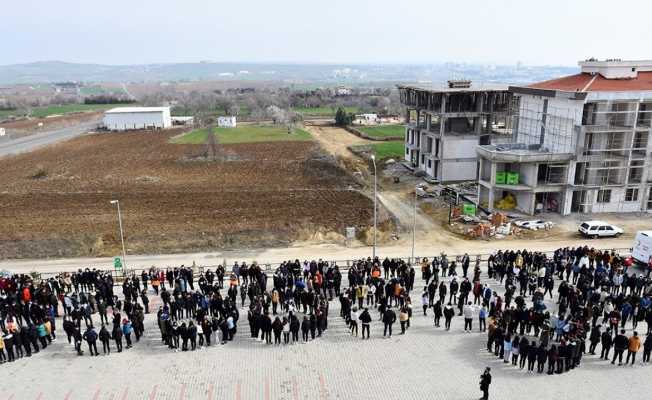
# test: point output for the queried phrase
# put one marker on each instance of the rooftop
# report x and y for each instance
(519, 152)
(586, 82)
(604, 76)
(481, 87)
(121, 110)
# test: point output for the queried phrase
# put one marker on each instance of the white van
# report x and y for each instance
(596, 229)
(642, 247)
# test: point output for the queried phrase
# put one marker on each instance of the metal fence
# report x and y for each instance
(269, 268)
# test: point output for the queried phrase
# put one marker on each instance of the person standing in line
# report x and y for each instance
(449, 312)
(365, 319)
(286, 330)
(354, 321)
(305, 328)
(404, 319)
(90, 336)
(621, 343)
(468, 317)
(507, 347)
(485, 381)
(482, 318)
(606, 341)
(425, 301)
(634, 345)
(436, 309)
(105, 336)
(647, 348)
(389, 317)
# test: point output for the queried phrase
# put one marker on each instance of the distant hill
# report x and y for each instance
(57, 71)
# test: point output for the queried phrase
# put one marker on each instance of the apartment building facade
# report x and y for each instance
(581, 144)
(444, 126)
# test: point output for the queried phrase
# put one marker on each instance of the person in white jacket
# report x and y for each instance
(354, 321)
(468, 312)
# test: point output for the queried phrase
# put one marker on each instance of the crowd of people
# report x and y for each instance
(537, 310)
(29, 310)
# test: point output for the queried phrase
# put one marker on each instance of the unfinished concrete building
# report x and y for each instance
(581, 144)
(444, 126)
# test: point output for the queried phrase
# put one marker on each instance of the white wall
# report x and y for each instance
(459, 147)
(137, 120)
(617, 203)
(458, 170)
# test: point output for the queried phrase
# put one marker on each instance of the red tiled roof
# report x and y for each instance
(597, 83)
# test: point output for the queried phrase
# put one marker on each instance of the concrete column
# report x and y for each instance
(477, 121)
(490, 206)
(566, 202)
(533, 203)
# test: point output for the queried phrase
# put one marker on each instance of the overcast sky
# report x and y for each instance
(550, 32)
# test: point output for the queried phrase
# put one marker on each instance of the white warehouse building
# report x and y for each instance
(127, 118)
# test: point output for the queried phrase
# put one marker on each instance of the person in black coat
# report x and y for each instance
(621, 343)
(192, 335)
(594, 338)
(277, 327)
(305, 328)
(542, 355)
(294, 328)
(105, 337)
(266, 328)
(90, 336)
(524, 348)
(25, 339)
(365, 319)
(532, 352)
(606, 341)
(389, 317)
(485, 381)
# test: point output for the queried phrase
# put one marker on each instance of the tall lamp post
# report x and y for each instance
(373, 159)
(122, 237)
(414, 223)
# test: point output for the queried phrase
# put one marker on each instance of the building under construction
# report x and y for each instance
(445, 125)
(581, 144)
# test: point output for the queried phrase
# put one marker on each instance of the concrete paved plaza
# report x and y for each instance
(426, 363)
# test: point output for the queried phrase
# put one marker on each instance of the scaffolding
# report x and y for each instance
(545, 127)
(613, 154)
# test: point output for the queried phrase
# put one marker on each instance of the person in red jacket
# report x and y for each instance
(27, 295)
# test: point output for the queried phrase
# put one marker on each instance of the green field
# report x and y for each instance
(384, 150)
(41, 112)
(324, 111)
(245, 134)
(384, 131)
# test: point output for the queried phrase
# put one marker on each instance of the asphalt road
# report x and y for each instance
(32, 142)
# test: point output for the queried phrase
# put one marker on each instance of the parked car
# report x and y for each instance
(534, 224)
(597, 229)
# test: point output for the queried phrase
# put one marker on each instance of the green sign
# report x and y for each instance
(117, 263)
(469, 209)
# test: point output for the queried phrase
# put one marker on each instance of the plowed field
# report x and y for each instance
(55, 201)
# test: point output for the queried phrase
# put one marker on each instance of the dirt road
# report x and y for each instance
(335, 140)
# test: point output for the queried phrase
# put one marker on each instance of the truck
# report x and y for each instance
(642, 247)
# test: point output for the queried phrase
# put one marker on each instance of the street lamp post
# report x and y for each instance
(414, 223)
(373, 160)
(122, 237)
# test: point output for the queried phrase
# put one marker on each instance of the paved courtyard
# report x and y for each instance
(426, 363)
